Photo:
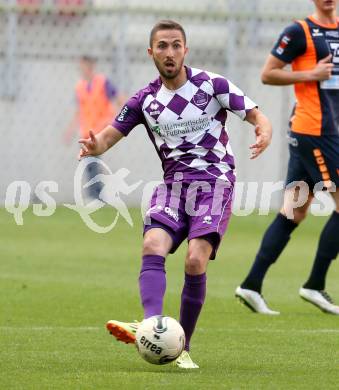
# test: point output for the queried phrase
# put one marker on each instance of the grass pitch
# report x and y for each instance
(60, 283)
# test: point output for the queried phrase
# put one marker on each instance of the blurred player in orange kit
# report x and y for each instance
(97, 103)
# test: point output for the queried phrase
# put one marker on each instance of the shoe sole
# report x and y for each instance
(316, 305)
(245, 303)
(120, 333)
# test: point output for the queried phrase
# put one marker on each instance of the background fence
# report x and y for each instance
(40, 44)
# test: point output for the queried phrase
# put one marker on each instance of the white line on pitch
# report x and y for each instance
(265, 330)
(44, 328)
(228, 330)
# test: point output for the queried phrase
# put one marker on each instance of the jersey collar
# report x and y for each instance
(331, 25)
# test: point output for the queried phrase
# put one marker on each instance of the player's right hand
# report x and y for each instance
(89, 146)
(323, 69)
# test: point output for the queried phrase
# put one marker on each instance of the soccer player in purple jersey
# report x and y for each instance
(184, 112)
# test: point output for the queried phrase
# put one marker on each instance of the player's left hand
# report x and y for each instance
(263, 133)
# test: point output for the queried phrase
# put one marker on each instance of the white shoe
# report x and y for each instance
(254, 301)
(320, 299)
(185, 361)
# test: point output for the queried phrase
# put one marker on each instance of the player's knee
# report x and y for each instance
(195, 263)
(153, 246)
(299, 215)
(336, 199)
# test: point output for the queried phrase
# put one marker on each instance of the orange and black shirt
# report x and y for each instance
(94, 101)
(303, 44)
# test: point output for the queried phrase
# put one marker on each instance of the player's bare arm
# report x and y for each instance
(99, 143)
(274, 72)
(263, 131)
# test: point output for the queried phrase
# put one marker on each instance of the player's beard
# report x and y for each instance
(168, 75)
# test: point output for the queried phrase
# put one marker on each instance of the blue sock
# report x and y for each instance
(274, 241)
(327, 251)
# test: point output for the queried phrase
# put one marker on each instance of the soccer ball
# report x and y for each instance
(160, 340)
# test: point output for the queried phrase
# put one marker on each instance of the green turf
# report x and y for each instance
(60, 283)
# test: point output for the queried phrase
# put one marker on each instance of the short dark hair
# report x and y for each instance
(166, 25)
(88, 58)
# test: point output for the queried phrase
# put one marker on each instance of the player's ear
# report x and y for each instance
(186, 50)
(150, 51)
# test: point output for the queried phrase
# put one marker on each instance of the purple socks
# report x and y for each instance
(152, 284)
(192, 299)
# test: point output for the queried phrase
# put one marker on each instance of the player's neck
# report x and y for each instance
(177, 82)
(325, 17)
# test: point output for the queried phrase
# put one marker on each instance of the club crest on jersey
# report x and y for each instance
(200, 99)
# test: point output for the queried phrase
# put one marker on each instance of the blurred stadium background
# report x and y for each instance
(60, 282)
(42, 40)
